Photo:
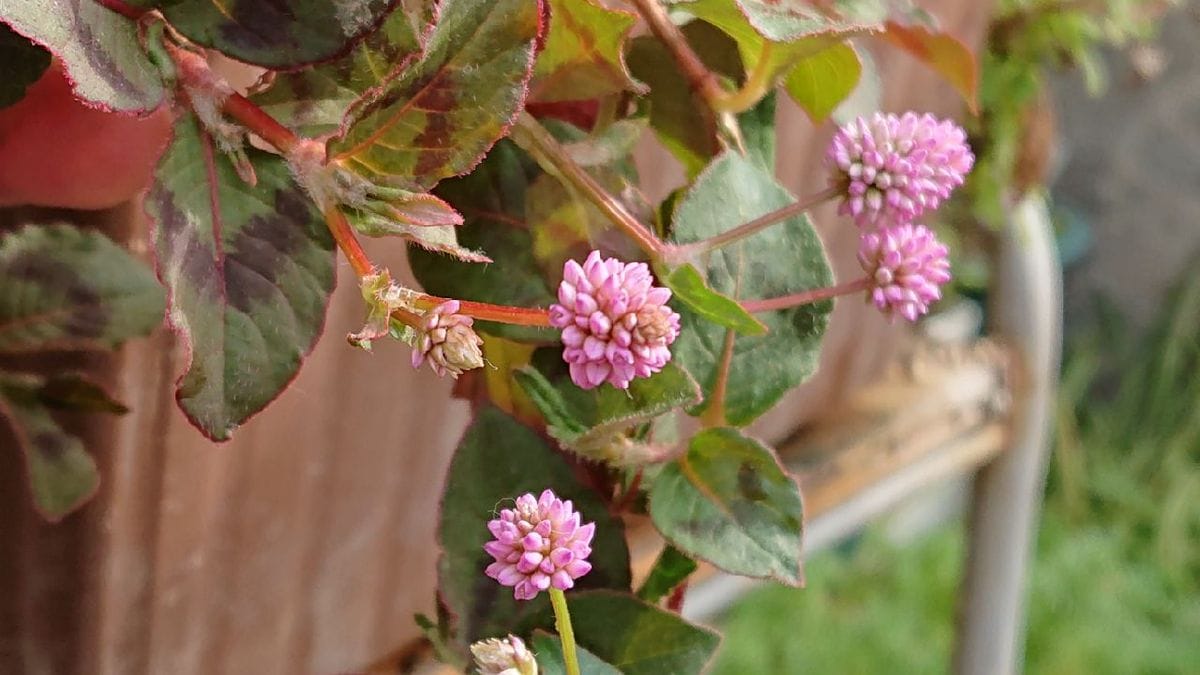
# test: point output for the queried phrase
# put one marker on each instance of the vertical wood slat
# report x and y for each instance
(307, 543)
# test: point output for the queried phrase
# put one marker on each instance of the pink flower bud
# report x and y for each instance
(539, 543)
(447, 339)
(615, 322)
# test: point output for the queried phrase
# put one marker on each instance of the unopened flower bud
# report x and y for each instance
(616, 325)
(448, 341)
(503, 656)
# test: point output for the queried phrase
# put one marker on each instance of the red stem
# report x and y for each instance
(343, 234)
(258, 121)
(517, 316)
(806, 297)
(122, 9)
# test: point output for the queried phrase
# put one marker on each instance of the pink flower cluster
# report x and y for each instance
(447, 340)
(615, 322)
(538, 544)
(895, 168)
(906, 266)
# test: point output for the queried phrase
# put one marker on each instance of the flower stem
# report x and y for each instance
(517, 316)
(562, 622)
(679, 253)
(806, 297)
(546, 150)
(701, 79)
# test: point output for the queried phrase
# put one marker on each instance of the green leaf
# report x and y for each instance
(315, 100)
(275, 34)
(67, 288)
(492, 200)
(586, 420)
(822, 81)
(637, 638)
(250, 270)
(682, 121)
(758, 132)
(24, 62)
(781, 31)
(785, 258)
(610, 145)
(729, 502)
(98, 47)
(62, 475)
(689, 288)
(550, 657)
(498, 460)
(583, 57)
(671, 568)
(943, 52)
(73, 391)
(440, 115)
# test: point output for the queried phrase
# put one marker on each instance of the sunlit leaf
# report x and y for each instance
(820, 82)
(583, 57)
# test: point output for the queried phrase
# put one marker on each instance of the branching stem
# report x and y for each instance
(701, 79)
(806, 297)
(537, 140)
(682, 252)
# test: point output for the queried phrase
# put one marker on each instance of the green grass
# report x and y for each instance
(1116, 582)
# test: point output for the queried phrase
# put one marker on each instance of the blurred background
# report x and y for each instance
(1111, 119)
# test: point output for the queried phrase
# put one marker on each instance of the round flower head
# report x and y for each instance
(615, 322)
(892, 169)
(503, 656)
(446, 338)
(906, 265)
(539, 543)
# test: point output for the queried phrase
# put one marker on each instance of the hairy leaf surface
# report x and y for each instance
(67, 288)
(250, 270)
(785, 258)
(584, 53)
(275, 34)
(98, 47)
(728, 501)
(439, 116)
(315, 100)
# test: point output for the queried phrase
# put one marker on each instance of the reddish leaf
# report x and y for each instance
(944, 53)
(440, 116)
